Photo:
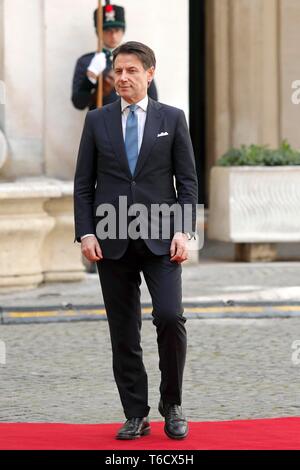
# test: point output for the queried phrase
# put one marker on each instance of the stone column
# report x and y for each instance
(254, 92)
(290, 69)
(217, 80)
(21, 69)
(3, 142)
(243, 98)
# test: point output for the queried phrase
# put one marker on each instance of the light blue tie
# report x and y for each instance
(131, 138)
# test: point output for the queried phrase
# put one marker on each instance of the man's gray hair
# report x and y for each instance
(143, 52)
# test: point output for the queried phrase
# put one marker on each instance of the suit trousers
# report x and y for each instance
(120, 281)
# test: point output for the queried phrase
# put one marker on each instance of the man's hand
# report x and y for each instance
(90, 248)
(178, 249)
(97, 65)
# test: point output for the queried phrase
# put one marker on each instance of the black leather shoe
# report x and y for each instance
(134, 428)
(176, 425)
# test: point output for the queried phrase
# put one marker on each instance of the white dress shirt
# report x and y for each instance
(141, 113)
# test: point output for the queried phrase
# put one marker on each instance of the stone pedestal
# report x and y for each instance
(251, 252)
(24, 225)
(255, 207)
(36, 234)
(62, 259)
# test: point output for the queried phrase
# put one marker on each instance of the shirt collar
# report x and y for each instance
(143, 104)
(107, 49)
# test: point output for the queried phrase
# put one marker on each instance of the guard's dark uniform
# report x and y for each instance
(84, 92)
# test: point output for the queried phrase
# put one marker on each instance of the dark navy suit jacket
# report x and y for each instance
(103, 174)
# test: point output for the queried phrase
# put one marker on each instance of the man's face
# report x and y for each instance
(112, 37)
(131, 79)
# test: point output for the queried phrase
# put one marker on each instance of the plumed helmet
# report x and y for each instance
(113, 17)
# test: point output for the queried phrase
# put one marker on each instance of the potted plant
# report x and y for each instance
(255, 199)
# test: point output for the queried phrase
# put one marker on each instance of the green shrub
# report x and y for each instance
(260, 155)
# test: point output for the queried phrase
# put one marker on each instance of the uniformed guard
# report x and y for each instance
(91, 65)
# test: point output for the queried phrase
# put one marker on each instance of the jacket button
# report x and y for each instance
(133, 183)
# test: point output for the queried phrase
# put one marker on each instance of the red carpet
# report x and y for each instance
(271, 434)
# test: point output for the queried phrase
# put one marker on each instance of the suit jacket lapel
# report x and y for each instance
(113, 123)
(152, 126)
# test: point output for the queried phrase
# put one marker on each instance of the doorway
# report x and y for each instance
(197, 91)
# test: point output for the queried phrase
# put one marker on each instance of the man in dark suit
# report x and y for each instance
(134, 148)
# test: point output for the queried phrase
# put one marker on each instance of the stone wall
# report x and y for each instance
(289, 67)
(252, 60)
(40, 43)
